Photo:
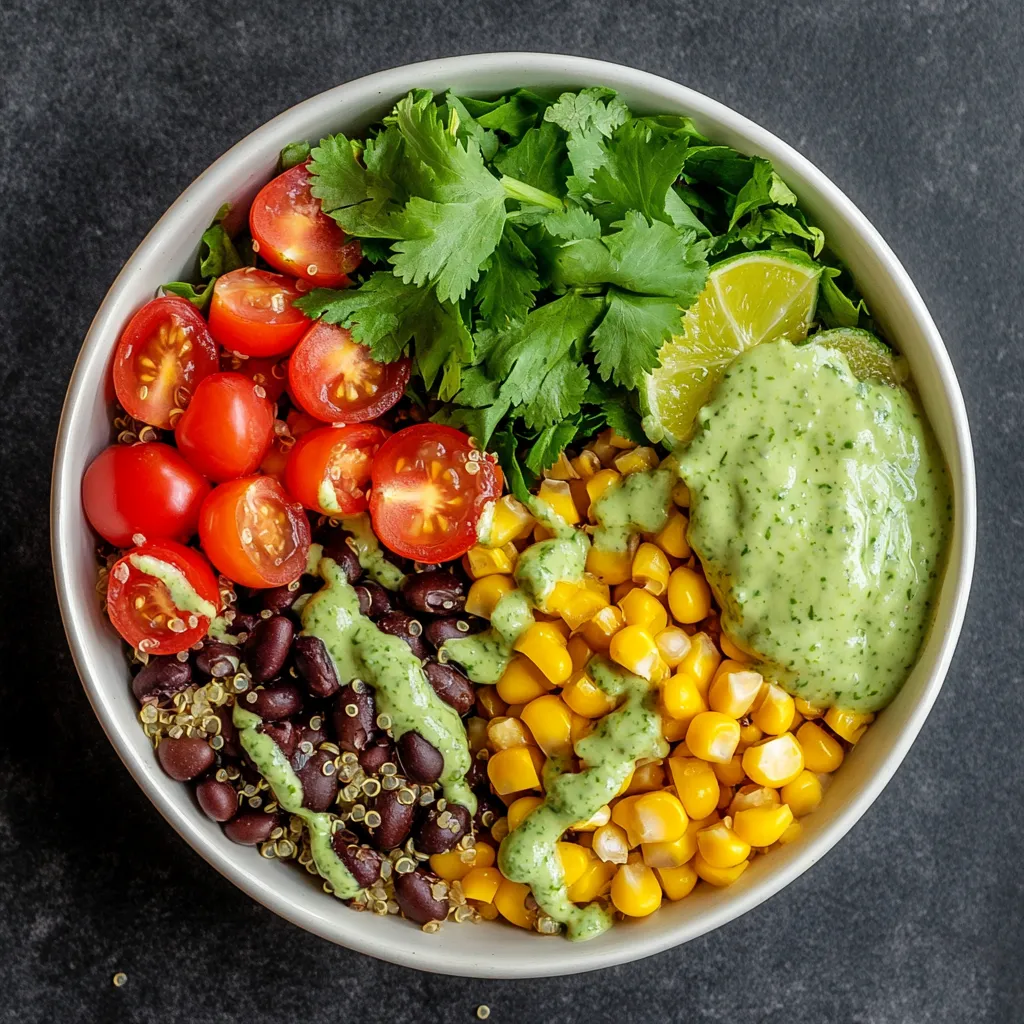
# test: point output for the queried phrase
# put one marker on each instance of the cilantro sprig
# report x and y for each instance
(532, 254)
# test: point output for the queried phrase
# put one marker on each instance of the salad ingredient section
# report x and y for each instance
(523, 521)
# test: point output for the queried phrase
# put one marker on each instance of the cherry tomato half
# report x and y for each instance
(253, 532)
(164, 352)
(227, 427)
(146, 489)
(161, 597)
(329, 468)
(251, 312)
(293, 234)
(336, 379)
(429, 486)
(270, 373)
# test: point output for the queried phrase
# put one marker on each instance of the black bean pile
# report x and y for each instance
(328, 728)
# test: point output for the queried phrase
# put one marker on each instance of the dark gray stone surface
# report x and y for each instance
(110, 109)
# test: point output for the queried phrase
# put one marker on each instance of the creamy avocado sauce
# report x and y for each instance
(485, 656)
(638, 503)
(529, 854)
(820, 511)
(273, 765)
(360, 650)
(181, 592)
(367, 548)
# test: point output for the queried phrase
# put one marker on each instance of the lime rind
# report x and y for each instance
(869, 357)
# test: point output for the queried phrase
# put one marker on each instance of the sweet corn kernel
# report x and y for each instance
(681, 495)
(749, 735)
(673, 645)
(611, 844)
(611, 567)
(508, 521)
(591, 582)
(734, 689)
(489, 702)
(594, 882)
(807, 709)
(579, 652)
(580, 727)
(659, 817)
(639, 460)
(510, 899)
(582, 606)
(634, 649)
(673, 729)
(754, 796)
(481, 562)
(481, 884)
(476, 733)
(627, 782)
(774, 715)
(803, 794)
(641, 608)
(557, 495)
(486, 592)
(762, 826)
(721, 847)
(849, 725)
(696, 785)
(677, 883)
(522, 681)
(622, 815)
(712, 736)
(646, 778)
(822, 752)
(635, 890)
(550, 722)
(512, 770)
(600, 482)
(586, 464)
(725, 797)
(672, 536)
(574, 859)
(681, 696)
(670, 854)
(702, 661)
(505, 732)
(586, 698)
(451, 867)
(515, 710)
(774, 762)
(520, 808)
(601, 627)
(689, 596)
(600, 817)
(792, 834)
(651, 570)
(620, 442)
(620, 590)
(718, 876)
(730, 773)
(732, 650)
(546, 648)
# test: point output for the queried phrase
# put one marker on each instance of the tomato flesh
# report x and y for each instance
(271, 372)
(429, 487)
(329, 468)
(154, 617)
(162, 355)
(336, 379)
(294, 235)
(227, 428)
(253, 533)
(142, 489)
(251, 312)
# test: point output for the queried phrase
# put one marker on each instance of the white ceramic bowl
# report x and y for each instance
(493, 950)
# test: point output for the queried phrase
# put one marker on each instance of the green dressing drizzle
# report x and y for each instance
(367, 548)
(638, 503)
(178, 587)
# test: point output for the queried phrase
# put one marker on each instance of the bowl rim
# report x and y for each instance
(429, 956)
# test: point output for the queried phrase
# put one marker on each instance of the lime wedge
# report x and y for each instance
(869, 357)
(754, 297)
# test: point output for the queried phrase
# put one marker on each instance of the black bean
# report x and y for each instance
(487, 801)
(434, 593)
(218, 660)
(314, 666)
(362, 862)
(451, 686)
(185, 758)
(284, 734)
(318, 790)
(243, 623)
(160, 679)
(266, 650)
(250, 828)
(279, 599)
(354, 728)
(415, 895)
(477, 774)
(309, 734)
(338, 549)
(374, 600)
(377, 754)
(396, 820)
(404, 626)
(420, 760)
(273, 703)
(218, 800)
(441, 830)
(439, 630)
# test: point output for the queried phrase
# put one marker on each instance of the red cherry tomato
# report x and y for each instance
(293, 234)
(429, 486)
(164, 352)
(271, 373)
(329, 468)
(227, 428)
(161, 597)
(146, 489)
(251, 312)
(253, 533)
(337, 380)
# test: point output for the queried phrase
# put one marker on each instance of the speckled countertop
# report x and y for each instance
(109, 109)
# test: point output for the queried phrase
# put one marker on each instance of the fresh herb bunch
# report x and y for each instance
(532, 253)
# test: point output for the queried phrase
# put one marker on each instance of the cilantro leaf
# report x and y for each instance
(627, 341)
(615, 411)
(559, 395)
(763, 188)
(505, 445)
(549, 445)
(590, 109)
(507, 287)
(294, 153)
(721, 166)
(185, 290)
(218, 254)
(513, 117)
(840, 310)
(471, 128)
(537, 159)
(573, 223)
